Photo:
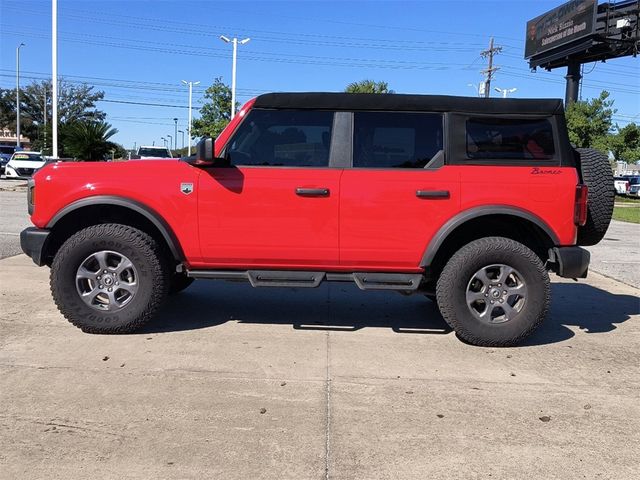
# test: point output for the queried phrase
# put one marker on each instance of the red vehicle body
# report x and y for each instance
(216, 220)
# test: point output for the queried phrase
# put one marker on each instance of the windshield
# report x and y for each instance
(154, 152)
(634, 180)
(27, 157)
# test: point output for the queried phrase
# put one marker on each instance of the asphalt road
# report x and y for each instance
(232, 382)
(13, 216)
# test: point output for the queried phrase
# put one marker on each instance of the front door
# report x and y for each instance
(276, 206)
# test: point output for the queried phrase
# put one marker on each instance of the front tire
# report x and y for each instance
(109, 278)
(493, 292)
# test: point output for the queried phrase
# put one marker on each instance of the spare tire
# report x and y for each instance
(597, 175)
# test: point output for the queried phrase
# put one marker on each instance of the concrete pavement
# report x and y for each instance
(236, 383)
(618, 254)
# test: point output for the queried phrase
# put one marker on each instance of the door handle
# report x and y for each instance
(312, 192)
(434, 194)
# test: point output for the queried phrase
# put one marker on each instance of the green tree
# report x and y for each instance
(76, 103)
(368, 86)
(215, 114)
(590, 122)
(88, 140)
(625, 145)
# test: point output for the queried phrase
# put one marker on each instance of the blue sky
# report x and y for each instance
(138, 51)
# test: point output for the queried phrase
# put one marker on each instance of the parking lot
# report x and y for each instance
(234, 382)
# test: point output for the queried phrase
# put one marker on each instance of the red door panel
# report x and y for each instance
(253, 217)
(384, 224)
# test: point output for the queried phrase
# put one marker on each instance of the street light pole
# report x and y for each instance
(505, 91)
(182, 132)
(164, 140)
(235, 43)
(170, 140)
(175, 139)
(18, 95)
(54, 76)
(191, 84)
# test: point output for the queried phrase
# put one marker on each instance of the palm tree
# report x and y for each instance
(88, 140)
(368, 86)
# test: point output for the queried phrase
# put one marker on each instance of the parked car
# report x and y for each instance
(634, 186)
(621, 184)
(24, 164)
(468, 201)
(152, 152)
(5, 155)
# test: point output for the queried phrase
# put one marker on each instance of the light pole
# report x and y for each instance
(475, 87)
(191, 84)
(18, 95)
(164, 140)
(235, 43)
(505, 91)
(175, 139)
(182, 132)
(170, 140)
(54, 77)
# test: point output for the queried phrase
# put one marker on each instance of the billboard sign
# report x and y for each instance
(574, 20)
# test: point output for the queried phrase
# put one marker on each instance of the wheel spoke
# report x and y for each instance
(101, 258)
(83, 274)
(89, 297)
(124, 264)
(482, 276)
(508, 311)
(520, 290)
(505, 272)
(131, 288)
(474, 296)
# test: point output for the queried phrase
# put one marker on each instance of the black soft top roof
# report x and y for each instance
(396, 101)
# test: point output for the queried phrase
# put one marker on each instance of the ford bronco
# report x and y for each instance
(468, 201)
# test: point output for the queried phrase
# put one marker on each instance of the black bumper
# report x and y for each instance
(33, 241)
(570, 262)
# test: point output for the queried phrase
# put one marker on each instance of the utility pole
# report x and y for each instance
(18, 95)
(45, 119)
(190, 84)
(488, 72)
(175, 138)
(235, 43)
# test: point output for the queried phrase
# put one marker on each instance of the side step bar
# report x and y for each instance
(285, 278)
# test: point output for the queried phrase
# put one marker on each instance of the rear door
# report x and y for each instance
(397, 194)
(277, 205)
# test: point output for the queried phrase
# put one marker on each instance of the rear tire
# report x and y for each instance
(598, 176)
(109, 278)
(470, 292)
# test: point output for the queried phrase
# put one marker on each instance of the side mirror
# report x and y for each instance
(205, 151)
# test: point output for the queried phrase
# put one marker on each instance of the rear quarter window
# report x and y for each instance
(509, 139)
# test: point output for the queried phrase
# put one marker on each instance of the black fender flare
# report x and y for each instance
(443, 233)
(156, 219)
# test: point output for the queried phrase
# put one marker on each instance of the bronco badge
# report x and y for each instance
(186, 188)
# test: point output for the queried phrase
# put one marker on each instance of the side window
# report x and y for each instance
(518, 139)
(282, 138)
(396, 139)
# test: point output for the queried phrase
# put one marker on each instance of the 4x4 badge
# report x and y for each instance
(186, 188)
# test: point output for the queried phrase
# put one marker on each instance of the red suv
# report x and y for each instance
(468, 201)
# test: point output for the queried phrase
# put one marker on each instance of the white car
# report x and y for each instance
(148, 152)
(24, 164)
